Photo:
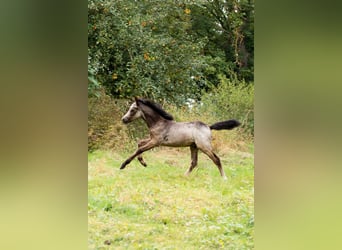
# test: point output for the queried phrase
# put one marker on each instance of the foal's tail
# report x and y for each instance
(230, 124)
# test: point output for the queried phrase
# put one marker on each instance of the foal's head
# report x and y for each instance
(146, 109)
(133, 113)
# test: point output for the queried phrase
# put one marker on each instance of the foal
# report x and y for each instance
(164, 131)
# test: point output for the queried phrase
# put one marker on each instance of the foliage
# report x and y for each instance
(231, 99)
(158, 208)
(143, 48)
(93, 85)
(229, 26)
(167, 50)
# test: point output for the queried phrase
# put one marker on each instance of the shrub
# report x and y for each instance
(232, 99)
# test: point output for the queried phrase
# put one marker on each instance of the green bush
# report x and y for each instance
(232, 99)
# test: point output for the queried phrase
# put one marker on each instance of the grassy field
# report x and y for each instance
(159, 208)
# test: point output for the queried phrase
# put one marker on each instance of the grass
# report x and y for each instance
(159, 208)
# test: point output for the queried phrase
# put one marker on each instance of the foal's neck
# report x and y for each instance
(153, 120)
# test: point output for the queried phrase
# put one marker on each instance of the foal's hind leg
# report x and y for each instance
(208, 151)
(194, 157)
(140, 144)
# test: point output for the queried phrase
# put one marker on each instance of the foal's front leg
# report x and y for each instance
(147, 146)
(140, 144)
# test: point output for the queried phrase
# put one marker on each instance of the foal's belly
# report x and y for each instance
(177, 143)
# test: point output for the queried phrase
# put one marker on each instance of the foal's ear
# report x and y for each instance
(136, 99)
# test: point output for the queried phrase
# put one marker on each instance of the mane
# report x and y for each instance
(157, 108)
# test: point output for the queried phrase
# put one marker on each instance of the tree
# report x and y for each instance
(168, 50)
(144, 48)
(229, 27)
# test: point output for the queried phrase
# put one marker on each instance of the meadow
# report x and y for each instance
(157, 207)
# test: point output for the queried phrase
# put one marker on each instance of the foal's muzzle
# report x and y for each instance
(125, 120)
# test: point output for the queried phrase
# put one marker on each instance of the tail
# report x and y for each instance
(230, 124)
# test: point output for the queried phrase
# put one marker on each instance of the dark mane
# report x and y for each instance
(157, 108)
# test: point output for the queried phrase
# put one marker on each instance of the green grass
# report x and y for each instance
(159, 208)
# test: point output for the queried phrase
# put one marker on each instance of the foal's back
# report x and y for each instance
(182, 134)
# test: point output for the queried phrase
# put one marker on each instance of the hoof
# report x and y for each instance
(142, 162)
